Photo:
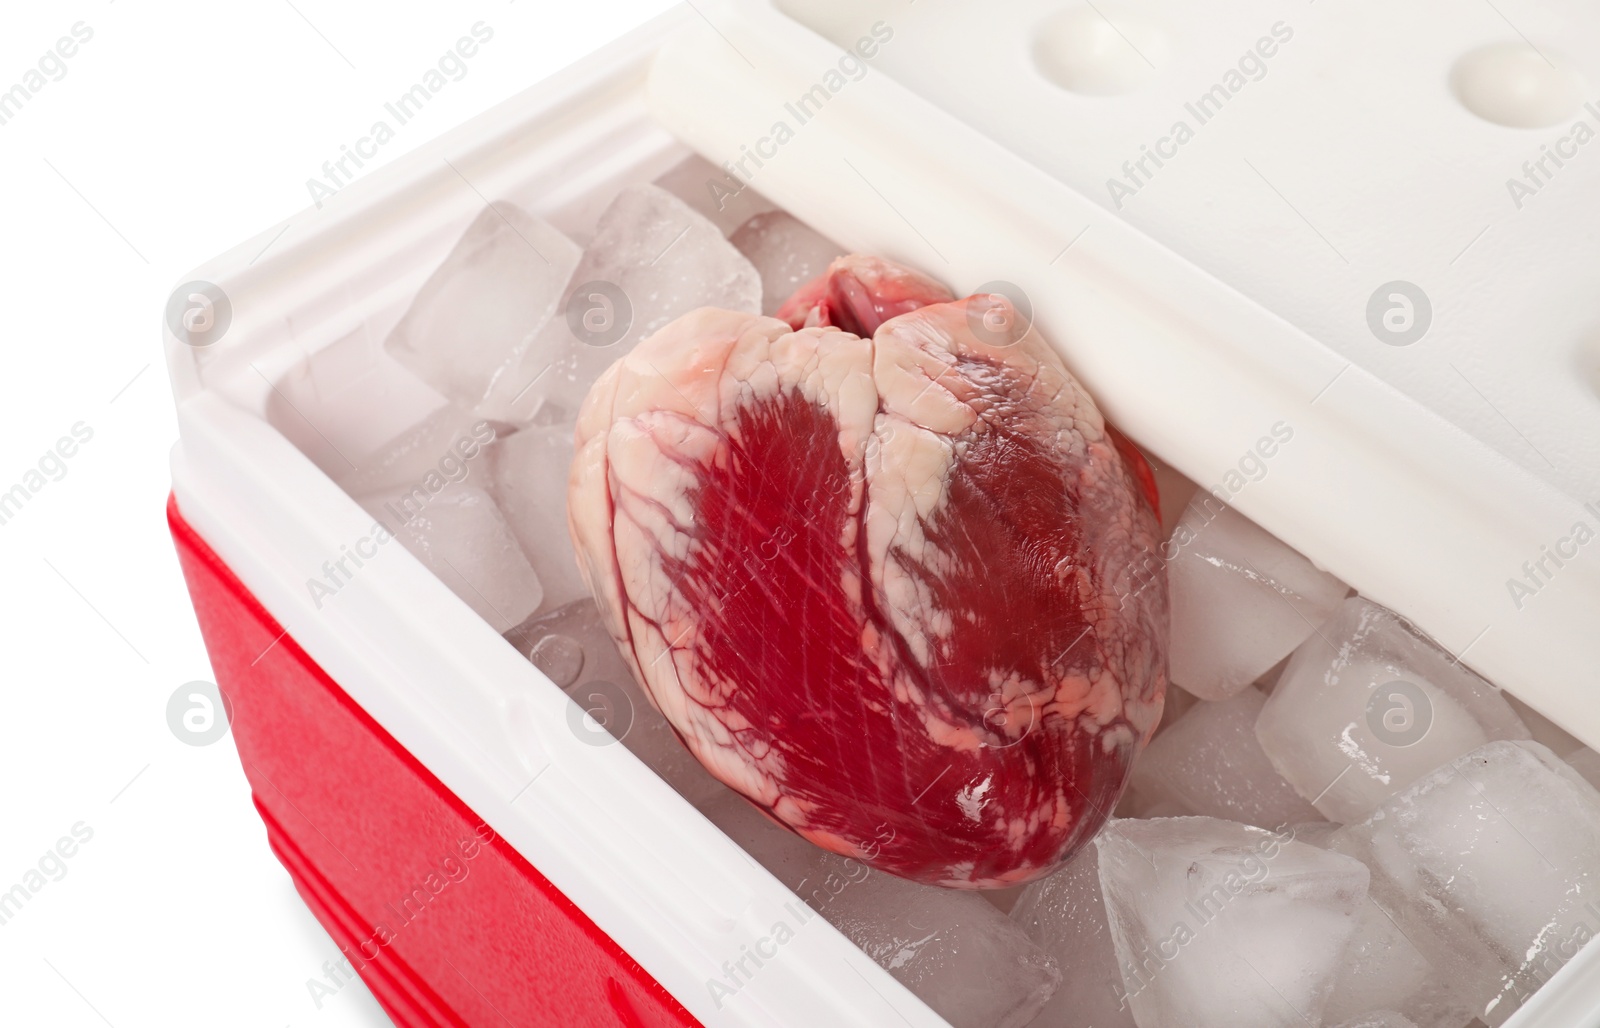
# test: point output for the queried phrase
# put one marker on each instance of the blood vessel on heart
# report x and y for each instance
(884, 567)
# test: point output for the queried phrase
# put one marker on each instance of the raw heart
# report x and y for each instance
(902, 591)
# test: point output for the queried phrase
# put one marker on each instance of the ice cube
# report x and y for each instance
(1209, 762)
(1491, 866)
(1367, 706)
(477, 314)
(1378, 1019)
(571, 646)
(1241, 600)
(1136, 805)
(722, 199)
(1177, 704)
(786, 251)
(1217, 923)
(1133, 804)
(349, 400)
(1269, 681)
(437, 446)
(1315, 833)
(1004, 900)
(1066, 916)
(1381, 969)
(1587, 763)
(960, 955)
(459, 534)
(652, 259)
(529, 471)
(1440, 1004)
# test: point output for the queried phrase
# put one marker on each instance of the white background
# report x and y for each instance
(179, 130)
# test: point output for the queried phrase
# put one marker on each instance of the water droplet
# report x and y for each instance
(560, 657)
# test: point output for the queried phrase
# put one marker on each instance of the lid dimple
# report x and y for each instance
(1517, 85)
(560, 657)
(1099, 50)
(1588, 360)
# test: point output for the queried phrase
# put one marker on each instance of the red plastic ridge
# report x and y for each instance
(445, 921)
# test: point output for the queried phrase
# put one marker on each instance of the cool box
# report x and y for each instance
(387, 727)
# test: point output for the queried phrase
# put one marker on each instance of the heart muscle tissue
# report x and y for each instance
(884, 567)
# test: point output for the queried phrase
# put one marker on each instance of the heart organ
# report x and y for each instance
(885, 569)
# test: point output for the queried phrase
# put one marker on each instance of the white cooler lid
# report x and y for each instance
(1231, 290)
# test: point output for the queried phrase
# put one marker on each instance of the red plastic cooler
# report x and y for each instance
(478, 864)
